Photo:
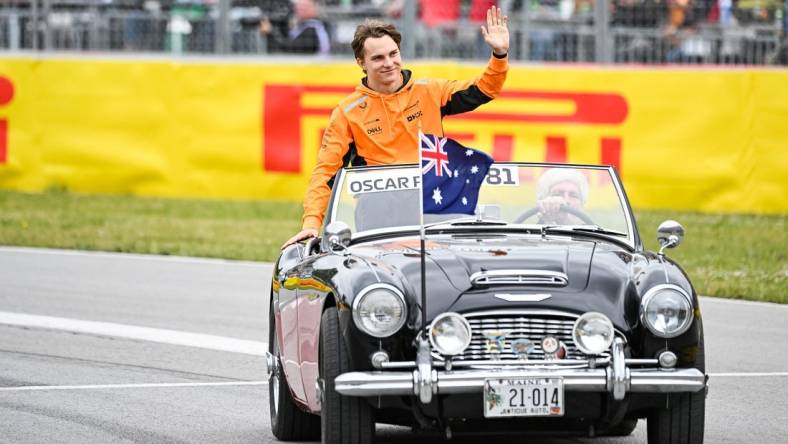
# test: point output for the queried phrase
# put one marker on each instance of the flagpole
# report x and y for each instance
(422, 236)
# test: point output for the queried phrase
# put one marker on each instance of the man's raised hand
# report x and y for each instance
(496, 34)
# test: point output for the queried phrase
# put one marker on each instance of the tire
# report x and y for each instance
(345, 419)
(288, 422)
(684, 421)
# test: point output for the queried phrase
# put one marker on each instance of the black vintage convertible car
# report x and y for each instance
(542, 313)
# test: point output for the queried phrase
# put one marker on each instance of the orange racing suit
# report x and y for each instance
(371, 128)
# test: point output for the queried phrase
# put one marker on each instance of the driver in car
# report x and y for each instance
(559, 189)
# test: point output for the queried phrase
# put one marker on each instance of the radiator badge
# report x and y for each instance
(534, 297)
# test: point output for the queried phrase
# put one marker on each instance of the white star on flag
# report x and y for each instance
(464, 200)
(468, 153)
(436, 196)
(467, 180)
(456, 173)
(474, 169)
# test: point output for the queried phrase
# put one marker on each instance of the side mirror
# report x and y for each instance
(669, 234)
(336, 237)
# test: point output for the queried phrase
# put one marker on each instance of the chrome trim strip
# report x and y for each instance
(472, 381)
(522, 277)
(531, 363)
(636, 361)
(508, 363)
(271, 363)
(547, 312)
(626, 209)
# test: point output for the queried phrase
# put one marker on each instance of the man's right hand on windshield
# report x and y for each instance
(306, 233)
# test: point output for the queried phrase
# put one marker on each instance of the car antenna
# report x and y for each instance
(422, 240)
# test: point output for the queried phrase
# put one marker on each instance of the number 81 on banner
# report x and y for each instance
(502, 175)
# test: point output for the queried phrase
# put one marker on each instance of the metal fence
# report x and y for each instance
(588, 31)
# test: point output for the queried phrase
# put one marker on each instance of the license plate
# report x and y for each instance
(523, 397)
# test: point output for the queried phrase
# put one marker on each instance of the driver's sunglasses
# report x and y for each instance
(566, 194)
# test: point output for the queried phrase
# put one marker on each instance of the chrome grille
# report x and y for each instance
(530, 325)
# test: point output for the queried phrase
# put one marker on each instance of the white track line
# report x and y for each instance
(742, 375)
(146, 257)
(769, 305)
(32, 388)
(159, 335)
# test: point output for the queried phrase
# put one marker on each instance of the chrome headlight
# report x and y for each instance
(593, 333)
(379, 310)
(666, 310)
(450, 333)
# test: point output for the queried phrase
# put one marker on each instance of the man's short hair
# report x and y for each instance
(553, 176)
(372, 29)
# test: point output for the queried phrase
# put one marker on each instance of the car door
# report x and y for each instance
(311, 293)
(287, 323)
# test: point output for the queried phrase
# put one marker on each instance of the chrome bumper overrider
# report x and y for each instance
(616, 378)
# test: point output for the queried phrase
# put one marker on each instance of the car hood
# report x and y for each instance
(597, 272)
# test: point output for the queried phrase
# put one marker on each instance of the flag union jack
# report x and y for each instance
(455, 189)
(434, 156)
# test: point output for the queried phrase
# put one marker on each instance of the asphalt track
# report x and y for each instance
(98, 347)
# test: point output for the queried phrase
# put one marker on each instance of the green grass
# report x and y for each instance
(732, 256)
(248, 230)
(739, 256)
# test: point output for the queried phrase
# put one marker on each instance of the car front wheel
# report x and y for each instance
(345, 420)
(288, 422)
(681, 423)
(684, 420)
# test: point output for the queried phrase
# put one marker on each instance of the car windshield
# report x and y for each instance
(555, 196)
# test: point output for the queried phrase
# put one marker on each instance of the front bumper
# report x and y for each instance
(383, 383)
(616, 377)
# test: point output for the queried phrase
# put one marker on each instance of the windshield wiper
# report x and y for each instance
(585, 229)
(472, 222)
(600, 230)
(464, 221)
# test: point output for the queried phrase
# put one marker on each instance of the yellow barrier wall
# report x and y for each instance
(700, 139)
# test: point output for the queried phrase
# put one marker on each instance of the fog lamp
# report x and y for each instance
(450, 333)
(593, 333)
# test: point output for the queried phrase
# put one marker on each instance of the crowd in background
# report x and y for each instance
(642, 31)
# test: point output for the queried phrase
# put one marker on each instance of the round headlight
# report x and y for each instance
(379, 310)
(593, 333)
(666, 310)
(450, 334)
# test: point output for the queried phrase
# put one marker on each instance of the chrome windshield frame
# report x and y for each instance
(632, 239)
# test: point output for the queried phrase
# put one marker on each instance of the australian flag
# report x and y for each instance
(451, 175)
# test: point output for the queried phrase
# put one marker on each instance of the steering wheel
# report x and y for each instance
(580, 214)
